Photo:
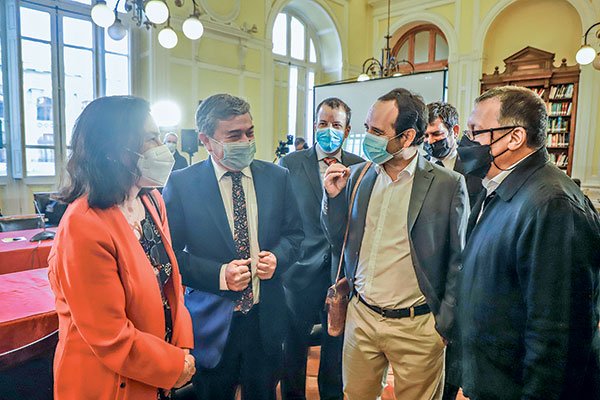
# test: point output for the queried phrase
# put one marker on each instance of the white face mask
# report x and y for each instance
(155, 166)
(172, 147)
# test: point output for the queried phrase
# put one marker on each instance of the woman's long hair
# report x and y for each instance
(103, 163)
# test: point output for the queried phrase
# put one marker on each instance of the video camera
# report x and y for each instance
(282, 149)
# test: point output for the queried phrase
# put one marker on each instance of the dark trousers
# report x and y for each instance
(244, 363)
(305, 312)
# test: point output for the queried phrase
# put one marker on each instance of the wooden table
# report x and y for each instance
(23, 255)
(28, 320)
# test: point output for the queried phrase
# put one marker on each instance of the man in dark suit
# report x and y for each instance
(529, 289)
(236, 229)
(307, 281)
(441, 140)
(171, 141)
(402, 256)
(440, 144)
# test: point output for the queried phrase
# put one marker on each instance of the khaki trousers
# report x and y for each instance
(412, 347)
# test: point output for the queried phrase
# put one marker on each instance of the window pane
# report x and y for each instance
(117, 74)
(403, 52)
(79, 85)
(280, 35)
(441, 48)
(40, 162)
(116, 46)
(422, 47)
(293, 101)
(313, 53)
(77, 32)
(37, 93)
(2, 128)
(297, 44)
(35, 24)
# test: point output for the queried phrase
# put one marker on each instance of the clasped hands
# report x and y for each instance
(189, 369)
(238, 275)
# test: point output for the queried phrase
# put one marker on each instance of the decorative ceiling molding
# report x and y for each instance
(380, 6)
(234, 11)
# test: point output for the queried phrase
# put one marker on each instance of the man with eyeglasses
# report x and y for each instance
(441, 141)
(529, 288)
(402, 257)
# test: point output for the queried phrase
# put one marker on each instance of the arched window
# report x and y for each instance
(296, 65)
(425, 46)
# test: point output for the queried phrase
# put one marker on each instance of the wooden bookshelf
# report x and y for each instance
(558, 86)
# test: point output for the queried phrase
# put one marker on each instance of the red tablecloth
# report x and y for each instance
(23, 255)
(27, 314)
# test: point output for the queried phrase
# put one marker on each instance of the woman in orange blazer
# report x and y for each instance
(124, 331)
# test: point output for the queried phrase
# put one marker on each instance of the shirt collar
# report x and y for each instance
(220, 171)
(451, 156)
(321, 154)
(491, 185)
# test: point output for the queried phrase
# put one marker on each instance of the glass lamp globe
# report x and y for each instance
(167, 38)
(166, 113)
(585, 55)
(193, 28)
(117, 31)
(156, 11)
(363, 77)
(102, 15)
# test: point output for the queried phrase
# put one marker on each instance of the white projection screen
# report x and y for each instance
(361, 95)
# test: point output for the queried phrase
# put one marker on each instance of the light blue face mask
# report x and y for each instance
(329, 139)
(237, 155)
(375, 148)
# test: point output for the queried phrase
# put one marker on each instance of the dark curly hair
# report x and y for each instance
(103, 163)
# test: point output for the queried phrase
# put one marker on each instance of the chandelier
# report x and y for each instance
(586, 53)
(150, 14)
(388, 65)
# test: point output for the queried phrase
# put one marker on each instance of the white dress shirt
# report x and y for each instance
(385, 275)
(449, 161)
(226, 188)
(322, 155)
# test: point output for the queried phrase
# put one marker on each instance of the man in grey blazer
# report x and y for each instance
(402, 256)
(306, 282)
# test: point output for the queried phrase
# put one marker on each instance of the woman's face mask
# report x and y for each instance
(155, 165)
(236, 155)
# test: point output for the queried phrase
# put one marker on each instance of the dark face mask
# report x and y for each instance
(439, 149)
(477, 158)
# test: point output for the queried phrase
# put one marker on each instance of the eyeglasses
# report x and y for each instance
(471, 134)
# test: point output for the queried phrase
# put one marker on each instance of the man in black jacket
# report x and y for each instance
(307, 281)
(529, 289)
(171, 141)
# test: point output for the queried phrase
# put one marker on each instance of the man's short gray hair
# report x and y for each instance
(219, 107)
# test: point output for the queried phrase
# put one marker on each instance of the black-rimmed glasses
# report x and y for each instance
(471, 134)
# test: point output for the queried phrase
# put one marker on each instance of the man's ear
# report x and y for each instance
(410, 135)
(455, 131)
(205, 141)
(347, 132)
(518, 139)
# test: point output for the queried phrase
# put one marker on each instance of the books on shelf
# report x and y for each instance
(561, 91)
(538, 90)
(560, 160)
(558, 125)
(557, 140)
(562, 109)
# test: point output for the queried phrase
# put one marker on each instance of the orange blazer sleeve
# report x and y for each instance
(91, 285)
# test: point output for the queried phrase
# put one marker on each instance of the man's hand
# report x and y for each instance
(267, 263)
(335, 179)
(237, 275)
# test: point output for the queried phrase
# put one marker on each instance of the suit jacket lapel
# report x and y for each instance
(263, 201)
(210, 192)
(312, 172)
(422, 181)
